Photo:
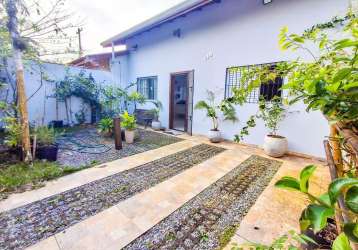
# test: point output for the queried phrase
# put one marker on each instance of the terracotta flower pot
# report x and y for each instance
(214, 136)
(275, 145)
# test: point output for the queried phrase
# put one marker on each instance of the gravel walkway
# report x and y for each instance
(86, 146)
(206, 219)
(25, 226)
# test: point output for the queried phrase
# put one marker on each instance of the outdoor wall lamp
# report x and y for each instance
(267, 1)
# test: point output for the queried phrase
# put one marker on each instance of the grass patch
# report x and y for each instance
(226, 235)
(12, 177)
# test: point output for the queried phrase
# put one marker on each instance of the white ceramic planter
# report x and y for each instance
(156, 125)
(129, 134)
(214, 136)
(275, 146)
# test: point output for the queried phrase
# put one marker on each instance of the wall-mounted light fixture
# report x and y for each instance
(267, 1)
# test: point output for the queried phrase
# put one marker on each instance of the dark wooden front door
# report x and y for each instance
(181, 101)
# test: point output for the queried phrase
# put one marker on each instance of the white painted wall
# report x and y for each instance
(42, 106)
(233, 33)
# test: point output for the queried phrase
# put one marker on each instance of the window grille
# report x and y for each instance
(267, 90)
(147, 86)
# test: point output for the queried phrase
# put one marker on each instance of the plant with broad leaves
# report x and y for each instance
(212, 109)
(325, 206)
(156, 111)
(128, 121)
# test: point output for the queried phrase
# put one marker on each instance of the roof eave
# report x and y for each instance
(170, 14)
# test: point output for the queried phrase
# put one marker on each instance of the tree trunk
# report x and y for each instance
(18, 46)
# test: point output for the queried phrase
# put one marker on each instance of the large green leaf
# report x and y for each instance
(325, 199)
(317, 215)
(351, 230)
(305, 175)
(288, 182)
(337, 185)
(351, 199)
(341, 243)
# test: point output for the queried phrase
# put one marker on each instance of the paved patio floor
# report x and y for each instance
(274, 213)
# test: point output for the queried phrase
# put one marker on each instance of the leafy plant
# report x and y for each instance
(105, 125)
(45, 135)
(328, 82)
(272, 113)
(212, 109)
(156, 111)
(322, 207)
(128, 121)
(13, 132)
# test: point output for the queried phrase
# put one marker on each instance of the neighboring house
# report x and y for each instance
(179, 54)
(96, 61)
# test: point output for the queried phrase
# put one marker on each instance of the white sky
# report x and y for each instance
(106, 18)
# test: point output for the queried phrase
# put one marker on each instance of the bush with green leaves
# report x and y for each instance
(45, 136)
(128, 122)
(212, 109)
(13, 132)
(105, 125)
(325, 206)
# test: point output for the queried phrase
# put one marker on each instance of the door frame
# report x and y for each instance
(171, 99)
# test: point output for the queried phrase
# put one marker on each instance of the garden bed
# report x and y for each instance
(85, 146)
(25, 226)
(210, 219)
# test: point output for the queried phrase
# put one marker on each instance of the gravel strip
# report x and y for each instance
(83, 147)
(25, 226)
(202, 221)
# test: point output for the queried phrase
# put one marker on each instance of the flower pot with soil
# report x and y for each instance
(128, 122)
(156, 124)
(272, 113)
(46, 148)
(212, 109)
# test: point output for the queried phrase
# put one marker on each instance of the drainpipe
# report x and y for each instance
(113, 51)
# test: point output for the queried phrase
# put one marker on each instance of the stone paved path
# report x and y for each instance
(29, 224)
(275, 212)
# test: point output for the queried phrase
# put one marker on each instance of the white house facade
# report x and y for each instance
(178, 55)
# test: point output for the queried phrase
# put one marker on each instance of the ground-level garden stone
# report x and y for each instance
(85, 146)
(209, 219)
(25, 226)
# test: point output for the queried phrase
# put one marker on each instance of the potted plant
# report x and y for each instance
(46, 148)
(105, 127)
(272, 113)
(129, 124)
(212, 109)
(156, 124)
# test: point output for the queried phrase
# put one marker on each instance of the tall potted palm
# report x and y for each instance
(212, 111)
(156, 124)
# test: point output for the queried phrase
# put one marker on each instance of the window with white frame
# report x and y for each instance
(147, 86)
(267, 90)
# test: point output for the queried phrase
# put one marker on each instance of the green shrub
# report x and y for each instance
(105, 125)
(45, 135)
(128, 121)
